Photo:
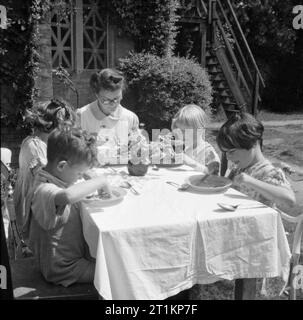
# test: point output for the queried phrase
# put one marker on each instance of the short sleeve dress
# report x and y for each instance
(32, 155)
(263, 171)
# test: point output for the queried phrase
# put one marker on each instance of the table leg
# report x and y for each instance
(245, 289)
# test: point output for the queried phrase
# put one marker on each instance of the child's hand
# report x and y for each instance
(104, 193)
(194, 164)
(106, 187)
(213, 168)
(90, 174)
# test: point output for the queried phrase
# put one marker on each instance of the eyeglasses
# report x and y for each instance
(109, 101)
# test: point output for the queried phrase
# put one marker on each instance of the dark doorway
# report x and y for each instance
(191, 41)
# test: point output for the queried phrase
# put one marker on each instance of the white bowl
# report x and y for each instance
(211, 184)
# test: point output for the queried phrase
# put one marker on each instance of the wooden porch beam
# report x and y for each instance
(78, 37)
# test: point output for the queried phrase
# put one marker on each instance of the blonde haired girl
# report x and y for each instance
(190, 123)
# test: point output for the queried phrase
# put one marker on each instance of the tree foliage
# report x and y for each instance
(278, 49)
(268, 25)
(19, 60)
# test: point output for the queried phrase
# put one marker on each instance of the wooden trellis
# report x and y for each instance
(79, 42)
(94, 35)
(62, 41)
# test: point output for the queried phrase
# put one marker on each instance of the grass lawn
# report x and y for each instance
(264, 115)
(285, 143)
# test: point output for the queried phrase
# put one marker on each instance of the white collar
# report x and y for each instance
(115, 116)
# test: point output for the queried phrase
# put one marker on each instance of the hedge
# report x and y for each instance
(159, 86)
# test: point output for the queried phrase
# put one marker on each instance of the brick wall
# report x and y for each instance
(81, 82)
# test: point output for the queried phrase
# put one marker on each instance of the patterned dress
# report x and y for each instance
(263, 171)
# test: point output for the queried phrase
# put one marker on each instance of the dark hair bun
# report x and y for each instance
(241, 131)
(49, 115)
(107, 79)
(115, 79)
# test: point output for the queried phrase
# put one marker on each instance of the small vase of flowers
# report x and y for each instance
(138, 161)
(139, 169)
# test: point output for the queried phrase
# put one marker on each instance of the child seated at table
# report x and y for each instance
(252, 174)
(42, 119)
(189, 123)
(56, 236)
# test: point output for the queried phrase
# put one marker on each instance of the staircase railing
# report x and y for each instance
(244, 41)
(226, 31)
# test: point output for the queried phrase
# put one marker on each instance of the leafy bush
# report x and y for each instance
(159, 86)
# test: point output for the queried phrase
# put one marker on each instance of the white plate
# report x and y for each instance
(223, 183)
(117, 196)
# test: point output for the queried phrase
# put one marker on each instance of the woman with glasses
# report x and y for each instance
(105, 117)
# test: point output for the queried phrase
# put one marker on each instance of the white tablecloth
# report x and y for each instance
(163, 241)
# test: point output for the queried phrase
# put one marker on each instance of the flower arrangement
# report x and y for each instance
(138, 148)
(138, 154)
(167, 150)
(138, 151)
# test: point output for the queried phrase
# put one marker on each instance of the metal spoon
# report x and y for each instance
(230, 207)
(181, 187)
(125, 184)
(113, 169)
(205, 177)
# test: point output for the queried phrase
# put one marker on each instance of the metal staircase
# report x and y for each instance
(236, 78)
